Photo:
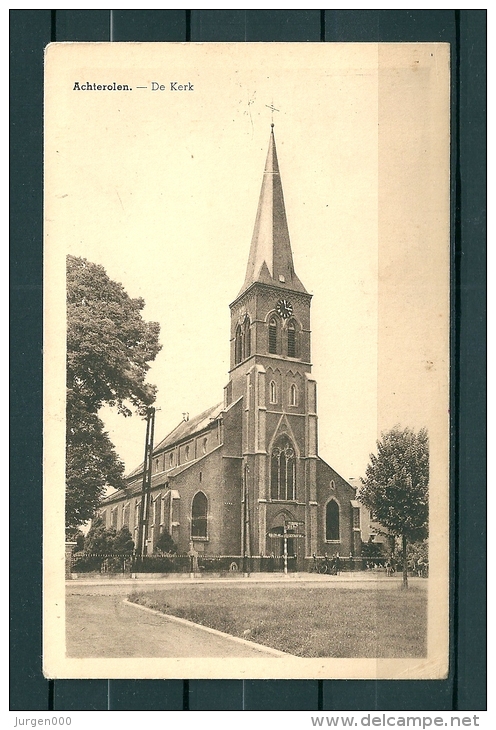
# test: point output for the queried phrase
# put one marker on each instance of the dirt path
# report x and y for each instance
(103, 626)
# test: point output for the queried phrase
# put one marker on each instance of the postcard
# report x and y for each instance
(246, 385)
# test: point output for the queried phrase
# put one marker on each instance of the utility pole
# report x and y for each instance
(141, 548)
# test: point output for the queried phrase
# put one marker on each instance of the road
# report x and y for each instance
(100, 624)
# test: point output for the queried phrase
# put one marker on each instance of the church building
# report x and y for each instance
(231, 480)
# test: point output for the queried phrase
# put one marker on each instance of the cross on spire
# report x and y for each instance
(272, 110)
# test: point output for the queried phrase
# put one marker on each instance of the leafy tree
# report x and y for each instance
(123, 541)
(77, 536)
(396, 487)
(372, 549)
(102, 540)
(109, 348)
(91, 464)
(99, 539)
(418, 553)
(165, 543)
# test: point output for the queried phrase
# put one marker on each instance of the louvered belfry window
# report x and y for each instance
(291, 339)
(273, 336)
(238, 345)
(247, 338)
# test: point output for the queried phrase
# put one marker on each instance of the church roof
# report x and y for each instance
(271, 260)
(182, 431)
(190, 427)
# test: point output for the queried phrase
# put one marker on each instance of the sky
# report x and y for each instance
(161, 188)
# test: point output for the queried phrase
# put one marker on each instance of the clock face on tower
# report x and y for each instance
(284, 308)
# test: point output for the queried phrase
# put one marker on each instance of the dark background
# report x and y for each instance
(465, 30)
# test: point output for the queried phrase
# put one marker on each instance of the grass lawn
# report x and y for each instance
(316, 621)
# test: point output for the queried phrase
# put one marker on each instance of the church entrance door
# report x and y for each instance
(275, 543)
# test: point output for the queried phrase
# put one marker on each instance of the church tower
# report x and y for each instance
(230, 481)
(270, 368)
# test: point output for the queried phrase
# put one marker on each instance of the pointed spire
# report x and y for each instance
(271, 260)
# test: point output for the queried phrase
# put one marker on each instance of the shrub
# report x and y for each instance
(165, 543)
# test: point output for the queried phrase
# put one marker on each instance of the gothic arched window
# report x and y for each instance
(292, 349)
(199, 510)
(332, 521)
(273, 392)
(126, 515)
(283, 471)
(293, 395)
(238, 345)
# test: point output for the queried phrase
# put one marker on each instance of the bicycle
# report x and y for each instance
(323, 566)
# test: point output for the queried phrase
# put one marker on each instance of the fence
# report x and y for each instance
(83, 562)
(344, 565)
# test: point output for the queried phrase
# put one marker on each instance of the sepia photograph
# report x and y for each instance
(246, 349)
